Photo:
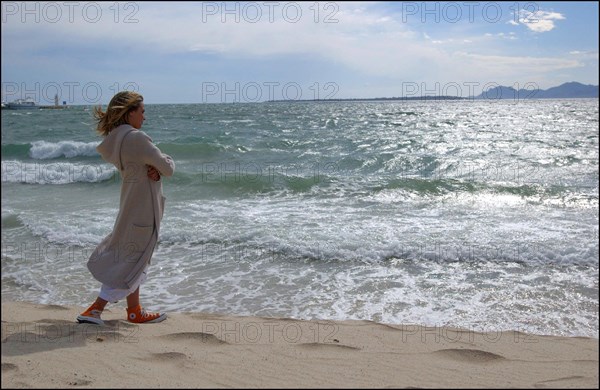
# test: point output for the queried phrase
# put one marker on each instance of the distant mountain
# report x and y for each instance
(571, 90)
(564, 91)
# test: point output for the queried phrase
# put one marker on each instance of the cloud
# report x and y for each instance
(592, 54)
(506, 68)
(360, 43)
(538, 21)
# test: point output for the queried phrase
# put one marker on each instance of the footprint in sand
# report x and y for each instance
(469, 355)
(205, 338)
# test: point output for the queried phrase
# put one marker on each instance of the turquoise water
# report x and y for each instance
(478, 214)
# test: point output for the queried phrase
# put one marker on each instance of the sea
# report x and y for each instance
(477, 214)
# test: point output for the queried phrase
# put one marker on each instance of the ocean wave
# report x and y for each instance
(336, 250)
(236, 179)
(42, 150)
(235, 245)
(11, 221)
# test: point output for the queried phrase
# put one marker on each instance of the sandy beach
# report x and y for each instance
(42, 346)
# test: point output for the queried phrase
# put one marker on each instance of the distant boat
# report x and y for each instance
(22, 104)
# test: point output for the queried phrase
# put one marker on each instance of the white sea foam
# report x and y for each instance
(328, 231)
(42, 150)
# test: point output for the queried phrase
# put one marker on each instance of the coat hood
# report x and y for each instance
(110, 148)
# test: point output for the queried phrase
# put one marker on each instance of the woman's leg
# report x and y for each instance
(99, 304)
(133, 299)
(137, 314)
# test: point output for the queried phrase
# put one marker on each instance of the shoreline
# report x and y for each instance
(43, 346)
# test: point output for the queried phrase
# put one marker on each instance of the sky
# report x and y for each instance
(215, 52)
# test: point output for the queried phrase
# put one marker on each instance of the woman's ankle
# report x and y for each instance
(99, 304)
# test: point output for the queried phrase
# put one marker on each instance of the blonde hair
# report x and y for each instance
(116, 113)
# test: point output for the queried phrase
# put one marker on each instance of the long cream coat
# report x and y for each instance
(123, 255)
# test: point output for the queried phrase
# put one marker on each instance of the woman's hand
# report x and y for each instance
(153, 173)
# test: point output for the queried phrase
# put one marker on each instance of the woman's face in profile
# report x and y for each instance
(136, 118)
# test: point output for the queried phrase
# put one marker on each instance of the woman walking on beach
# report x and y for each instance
(121, 259)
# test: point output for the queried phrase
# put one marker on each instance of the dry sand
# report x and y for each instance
(43, 346)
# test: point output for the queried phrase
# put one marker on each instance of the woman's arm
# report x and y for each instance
(153, 173)
(152, 156)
